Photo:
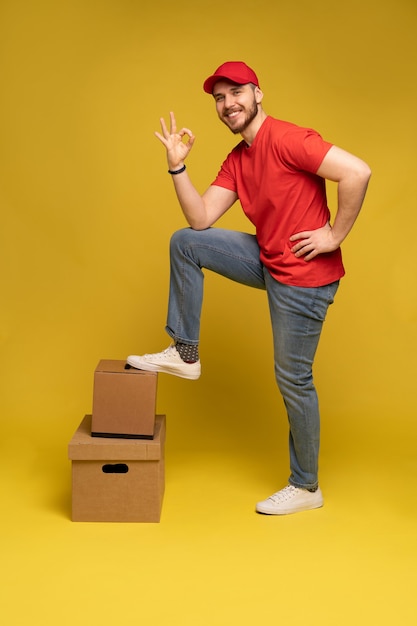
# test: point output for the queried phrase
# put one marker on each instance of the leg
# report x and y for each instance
(297, 316)
(232, 254)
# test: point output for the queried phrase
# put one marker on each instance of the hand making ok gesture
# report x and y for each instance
(173, 140)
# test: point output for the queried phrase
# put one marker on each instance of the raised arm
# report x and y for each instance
(352, 175)
(200, 211)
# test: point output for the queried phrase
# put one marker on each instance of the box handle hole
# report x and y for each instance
(115, 468)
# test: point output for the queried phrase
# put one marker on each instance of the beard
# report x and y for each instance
(251, 113)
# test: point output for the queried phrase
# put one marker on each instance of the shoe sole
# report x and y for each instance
(150, 367)
(268, 509)
(300, 509)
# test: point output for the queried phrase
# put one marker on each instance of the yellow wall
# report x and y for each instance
(87, 207)
(87, 210)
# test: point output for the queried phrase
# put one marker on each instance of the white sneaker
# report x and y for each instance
(290, 500)
(168, 362)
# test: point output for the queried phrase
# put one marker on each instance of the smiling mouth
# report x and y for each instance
(232, 114)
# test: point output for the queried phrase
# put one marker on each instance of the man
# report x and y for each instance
(278, 173)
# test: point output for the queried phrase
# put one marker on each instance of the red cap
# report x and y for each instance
(235, 71)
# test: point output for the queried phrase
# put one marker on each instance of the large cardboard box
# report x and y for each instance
(124, 401)
(117, 480)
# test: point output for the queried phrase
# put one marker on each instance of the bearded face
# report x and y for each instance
(236, 105)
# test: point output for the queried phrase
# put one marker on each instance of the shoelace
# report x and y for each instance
(285, 494)
(165, 354)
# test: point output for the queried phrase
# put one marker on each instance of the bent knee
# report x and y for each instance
(185, 237)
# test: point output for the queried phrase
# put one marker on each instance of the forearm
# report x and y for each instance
(200, 211)
(191, 202)
(352, 176)
(351, 194)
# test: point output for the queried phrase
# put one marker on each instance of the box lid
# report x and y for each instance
(109, 366)
(84, 447)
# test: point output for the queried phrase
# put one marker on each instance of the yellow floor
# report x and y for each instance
(212, 560)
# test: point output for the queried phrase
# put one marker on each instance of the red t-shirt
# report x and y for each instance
(276, 182)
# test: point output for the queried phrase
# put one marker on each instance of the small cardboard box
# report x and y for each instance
(117, 480)
(124, 401)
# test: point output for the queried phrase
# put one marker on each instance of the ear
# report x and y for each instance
(258, 95)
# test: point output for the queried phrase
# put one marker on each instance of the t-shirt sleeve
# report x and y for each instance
(225, 177)
(303, 149)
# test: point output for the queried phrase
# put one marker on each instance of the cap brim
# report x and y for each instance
(212, 80)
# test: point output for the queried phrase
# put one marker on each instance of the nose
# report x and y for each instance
(229, 100)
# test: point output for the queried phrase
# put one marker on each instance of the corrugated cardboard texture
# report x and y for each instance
(103, 493)
(83, 447)
(124, 401)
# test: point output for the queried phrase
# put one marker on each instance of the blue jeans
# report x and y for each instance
(297, 316)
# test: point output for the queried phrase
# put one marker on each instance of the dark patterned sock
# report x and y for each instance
(187, 352)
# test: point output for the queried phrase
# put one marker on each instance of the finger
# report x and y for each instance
(303, 249)
(173, 125)
(304, 235)
(311, 255)
(161, 138)
(300, 246)
(164, 128)
(301, 252)
(186, 132)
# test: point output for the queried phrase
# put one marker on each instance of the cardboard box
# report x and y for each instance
(124, 401)
(117, 480)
